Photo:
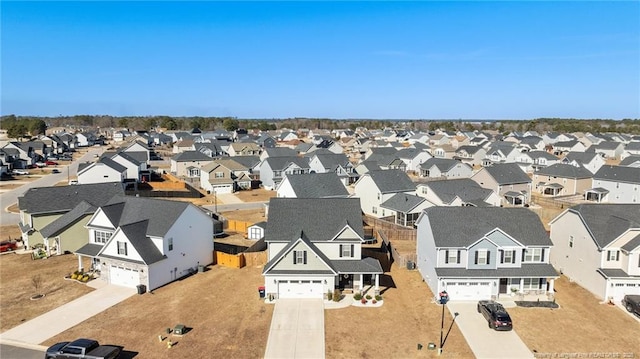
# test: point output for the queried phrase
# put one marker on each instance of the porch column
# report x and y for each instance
(521, 285)
(551, 282)
(377, 282)
(79, 262)
(361, 282)
(47, 247)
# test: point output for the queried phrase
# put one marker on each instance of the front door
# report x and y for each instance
(503, 285)
(346, 281)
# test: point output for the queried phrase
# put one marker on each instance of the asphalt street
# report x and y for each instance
(8, 351)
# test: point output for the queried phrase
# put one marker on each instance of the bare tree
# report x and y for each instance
(36, 282)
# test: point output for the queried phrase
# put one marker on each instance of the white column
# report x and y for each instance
(361, 282)
(551, 282)
(521, 285)
(79, 261)
(47, 246)
(377, 282)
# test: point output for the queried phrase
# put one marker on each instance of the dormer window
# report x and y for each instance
(613, 256)
(101, 237)
(299, 257)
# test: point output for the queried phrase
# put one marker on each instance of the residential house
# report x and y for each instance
(315, 247)
(443, 151)
(224, 176)
(471, 155)
(542, 159)
(85, 139)
(483, 253)
(244, 149)
(136, 171)
(312, 185)
(562, 180)
(562, 148)
(501, 152)
(273, 169)
(150, 242)
(507, 180)
(552, 137)
(598, 247)
(589, 160)
(457, 192)
(631, 161)
(615, 184)
(405, 208)
(184, 145)
(139, 151)
(377, 186)
(48, 208)
(445, 168)
(337, 163)
(631, 149)
(608, 149)
(188, 163)
(413, 158)
(102, 171)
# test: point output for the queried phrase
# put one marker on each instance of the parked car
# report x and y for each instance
(83, 349)
(51, 163)
(52, 158)
(20, 172)
(8, 246)
(495, 314)
(632, 303)
(55, 170)
(41, 164)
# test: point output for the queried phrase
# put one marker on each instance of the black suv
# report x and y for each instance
(495, 314)
(632, 303)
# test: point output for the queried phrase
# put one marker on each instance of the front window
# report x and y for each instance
(299, 257)
(102, 237)
(170, 244)
(219, 175)
(509, 257)
(613, 256)
(531, 283)
(533, 255)
(345, 250)
(122, 248)
(482, 257)
(571, 242)
(452, 257)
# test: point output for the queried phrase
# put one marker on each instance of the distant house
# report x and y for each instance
(278, 152)
(589, 160)
(183, 146)
(471, 155)
(337, 163)
(224, 176)
(273, 169)
(508, 181)
(188, 164)
(608, 149)
(598, 247)
(562, 180)
(375, 187)
(103, 171)
(244, 149)
(631, 161)
(312, 185)
(483, 253)
(457, 192)
(316, 246)
(615, 184)
(445, 168)
(413, 158)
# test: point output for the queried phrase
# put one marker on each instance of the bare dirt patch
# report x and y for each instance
(580, 325)
(406, 319)
(246, 215)
(10, 232)
(255, 195)
(16, 273)
(221, 306)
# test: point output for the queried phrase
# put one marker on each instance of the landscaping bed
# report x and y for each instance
(537, 304)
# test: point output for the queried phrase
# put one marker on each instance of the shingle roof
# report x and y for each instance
(618, 174)
(581, 157)
(137, 235)
(366, 265)
(565, 171)
(139, 156)
(632, 244)
(247, 161)
(390, 181)
(507, 173)
(462, 226)
(280, 163)
(615, 273)
(536, 270)
(605, 145)
(608, 221)
(301, 237)
(55, 227)
(320, 219)
(317, 185)
(65, 198)
(280, 152)
(162, 214)
(188, 156)
(543, 154)
(443, 164)
(402, 202)
(630, 160)
(465, 188)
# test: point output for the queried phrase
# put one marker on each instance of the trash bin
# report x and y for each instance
(201, 269)
(141, 288)
(411, 265)
(261, 291)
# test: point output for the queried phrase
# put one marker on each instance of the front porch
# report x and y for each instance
(551, 189)
(515, 198)
(597, 194)
(525, 289)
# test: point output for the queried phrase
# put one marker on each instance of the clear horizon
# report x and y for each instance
(338, 60)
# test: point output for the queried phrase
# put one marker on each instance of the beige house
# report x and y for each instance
(244, 149)
(508, 180)
(224, 176)
(562, 180)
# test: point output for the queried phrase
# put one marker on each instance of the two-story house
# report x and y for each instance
(312, 185)
(188, 163)
(508, 180)
(377, 186)
(471, 155)
(224, 176)
(141, 241)
(244, 149)
(615, 184)
(482, 253)
(273, 169)
(589, 160)
(562, 180)
(445, 168)
(102, 171)
(457, 192)
(598, 247)
(314, 247)
(337, 163)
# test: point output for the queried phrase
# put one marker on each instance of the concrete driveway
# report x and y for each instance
(297, 329)
(41, 328)
(487, 343)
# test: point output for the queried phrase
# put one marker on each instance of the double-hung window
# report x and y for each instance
(299, 257)
(122, 248)
(102, 237)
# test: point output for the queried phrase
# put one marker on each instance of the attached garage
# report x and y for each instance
(468, 290)
(619, 289)
(126, 277)
(300, 289)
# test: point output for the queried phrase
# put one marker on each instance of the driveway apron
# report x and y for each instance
(485, 342)
(297, 329)
(41, 328)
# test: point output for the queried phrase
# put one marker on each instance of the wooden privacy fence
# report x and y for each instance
(237, 226)
(254, 259)
(396, 257)
(391, 230)
(230, 260)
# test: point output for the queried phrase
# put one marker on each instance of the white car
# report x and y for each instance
(20, 172)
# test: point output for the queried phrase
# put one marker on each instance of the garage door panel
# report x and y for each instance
(465, 290)
(300, 289)
(619, 290)
(124, 276)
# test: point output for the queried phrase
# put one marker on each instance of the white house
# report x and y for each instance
(139, 241)
(615, 184)
(457, 192)
(311, 185)
(103, 171)
(598, 247)
(377, 186)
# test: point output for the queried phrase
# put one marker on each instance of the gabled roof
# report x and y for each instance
(507, 173)
(409, 153)
(581, 157)
(284, 251)
(66, 198)
(189, 156)
(105, 161)
(463, 226)
(128, 157)
(630, 160)
(618, 174)
(443, 164)
(632, 244)
(280, 152)
(542, 154)
(469, 149)
(317, 185)
(402, 202)
(280, 163)
(607, 222)
(320, 219)
(565, 171)
(331, 161)
(247, 161)
(136, 233)
(83, 208)
(605, 145)
(466, 189)
(632, 146)
(390, 181)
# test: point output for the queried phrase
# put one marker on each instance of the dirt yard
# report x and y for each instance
(246, 215)
(10, 232)
(16, 273)
(580, 325)
(255, 195)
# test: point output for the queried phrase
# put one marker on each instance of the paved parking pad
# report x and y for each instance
(487, 343)
(297, 329)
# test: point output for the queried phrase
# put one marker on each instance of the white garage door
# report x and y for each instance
(223, 189)
(300, 289)
(619, 290)
(459, 290)
(124, 276)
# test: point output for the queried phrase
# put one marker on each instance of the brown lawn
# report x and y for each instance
(255, 195)
(580, 325)
(10, 232)
(246, 215)
(16, 273)
(394, 330)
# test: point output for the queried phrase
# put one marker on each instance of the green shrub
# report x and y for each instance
(329, 295)
(336, 295)
(368, 297)
(378, 298)
(357, 296)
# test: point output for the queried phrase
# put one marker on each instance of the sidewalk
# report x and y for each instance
(228, 198)
(41, 328)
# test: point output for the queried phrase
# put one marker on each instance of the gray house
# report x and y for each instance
(483, 253)
(508, 180)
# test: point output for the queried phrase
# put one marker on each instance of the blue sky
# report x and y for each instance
(379, 60)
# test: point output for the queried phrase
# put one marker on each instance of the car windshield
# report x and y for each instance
(504, 318)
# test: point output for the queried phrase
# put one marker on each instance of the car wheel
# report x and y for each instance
(478, 307)
(489, 323)
(629, 308)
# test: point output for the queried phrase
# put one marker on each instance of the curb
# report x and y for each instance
(17, 343)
